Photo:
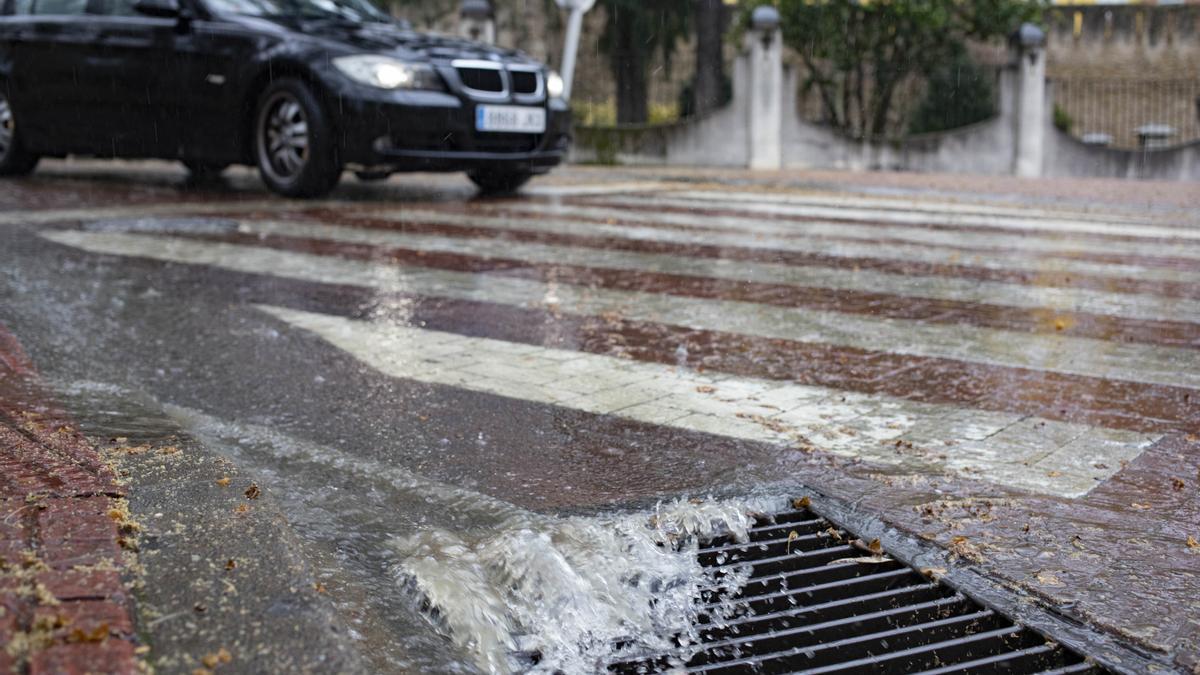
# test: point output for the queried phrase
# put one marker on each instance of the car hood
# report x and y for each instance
(393, 39)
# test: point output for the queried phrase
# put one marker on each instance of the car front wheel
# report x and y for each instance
(14, 160)
(294, 141)
(499, 181)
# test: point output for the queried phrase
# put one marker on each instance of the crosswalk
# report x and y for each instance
(1039, 350)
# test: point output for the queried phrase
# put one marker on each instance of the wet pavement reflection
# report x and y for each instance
(437, 386)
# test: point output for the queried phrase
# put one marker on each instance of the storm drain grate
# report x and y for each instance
(817, 603)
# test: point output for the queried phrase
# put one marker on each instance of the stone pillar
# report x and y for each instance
(477, 21)
(1029, 46)
(764, 43)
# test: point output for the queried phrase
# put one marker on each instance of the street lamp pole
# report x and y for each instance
(577, 8)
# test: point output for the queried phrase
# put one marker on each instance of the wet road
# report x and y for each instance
(432, 385)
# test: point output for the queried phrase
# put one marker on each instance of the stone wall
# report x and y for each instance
(1118, 67)
(1020, 140)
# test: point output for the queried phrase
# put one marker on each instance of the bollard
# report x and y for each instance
(765, 118)
(477, 21)
(1029, 43)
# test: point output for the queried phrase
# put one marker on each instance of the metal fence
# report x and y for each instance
(1094, 109)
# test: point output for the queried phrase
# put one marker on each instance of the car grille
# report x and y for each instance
(490, 142)
(481, 79)
(810, 607)
(524, 82)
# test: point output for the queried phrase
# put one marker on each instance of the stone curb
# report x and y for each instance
(64, 607)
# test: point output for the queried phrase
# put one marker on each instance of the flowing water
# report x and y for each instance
(434, 577)
(503, 583)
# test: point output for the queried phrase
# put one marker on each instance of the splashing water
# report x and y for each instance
(578, 592)
(505, 582)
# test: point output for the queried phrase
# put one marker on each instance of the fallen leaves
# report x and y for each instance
(792, 536)
(253, 492)
(963, 548)
(706, 389)
(766, 422)
(212, 660)
(97, 634)
(873, 547)
(1048, 579)
(230, 565)
(1177, 483)
(224, 481)
(1192, 543)
(801, 503)
(933, 573)
(1140, 507)
(242, 508)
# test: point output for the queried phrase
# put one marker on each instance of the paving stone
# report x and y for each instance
(83, 518)
(111, 657)
(87, 616)
(82, 584)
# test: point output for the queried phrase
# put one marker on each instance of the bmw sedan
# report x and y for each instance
(302, 89)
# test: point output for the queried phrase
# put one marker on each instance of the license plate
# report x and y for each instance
(510, 118)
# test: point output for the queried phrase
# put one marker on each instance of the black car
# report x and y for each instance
(304, 89)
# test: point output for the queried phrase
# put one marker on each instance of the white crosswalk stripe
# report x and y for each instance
(1040, 223)
(1014, 243)
(993, 445)
(928, 205)
(1134, 306)
(1053, 353)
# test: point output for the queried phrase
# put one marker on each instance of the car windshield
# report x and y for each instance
(360, 11)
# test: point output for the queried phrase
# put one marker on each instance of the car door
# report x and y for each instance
(48, 44)
(222, 59)
(136, 69)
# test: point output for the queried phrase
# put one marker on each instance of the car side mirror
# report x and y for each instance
(163, 9)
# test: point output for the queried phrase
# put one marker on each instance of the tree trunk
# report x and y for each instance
(629, 63)
(710, 61)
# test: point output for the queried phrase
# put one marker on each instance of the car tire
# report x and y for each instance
(14, 159)
(499, 182)
(204, 172)
(294, 142)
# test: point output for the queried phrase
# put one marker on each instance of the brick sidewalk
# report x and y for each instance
(63, 605)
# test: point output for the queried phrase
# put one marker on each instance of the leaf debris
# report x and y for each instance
(961, 547)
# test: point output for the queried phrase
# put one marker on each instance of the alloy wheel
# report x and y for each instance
(283, 137)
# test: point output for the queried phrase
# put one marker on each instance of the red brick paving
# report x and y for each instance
(63, 606)
(954, 312)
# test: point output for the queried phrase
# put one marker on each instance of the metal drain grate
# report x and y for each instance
(806, 609)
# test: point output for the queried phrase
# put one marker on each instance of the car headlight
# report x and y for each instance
(554, 85)
(388, 73)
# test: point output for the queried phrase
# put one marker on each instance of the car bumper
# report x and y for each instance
(435, 131)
